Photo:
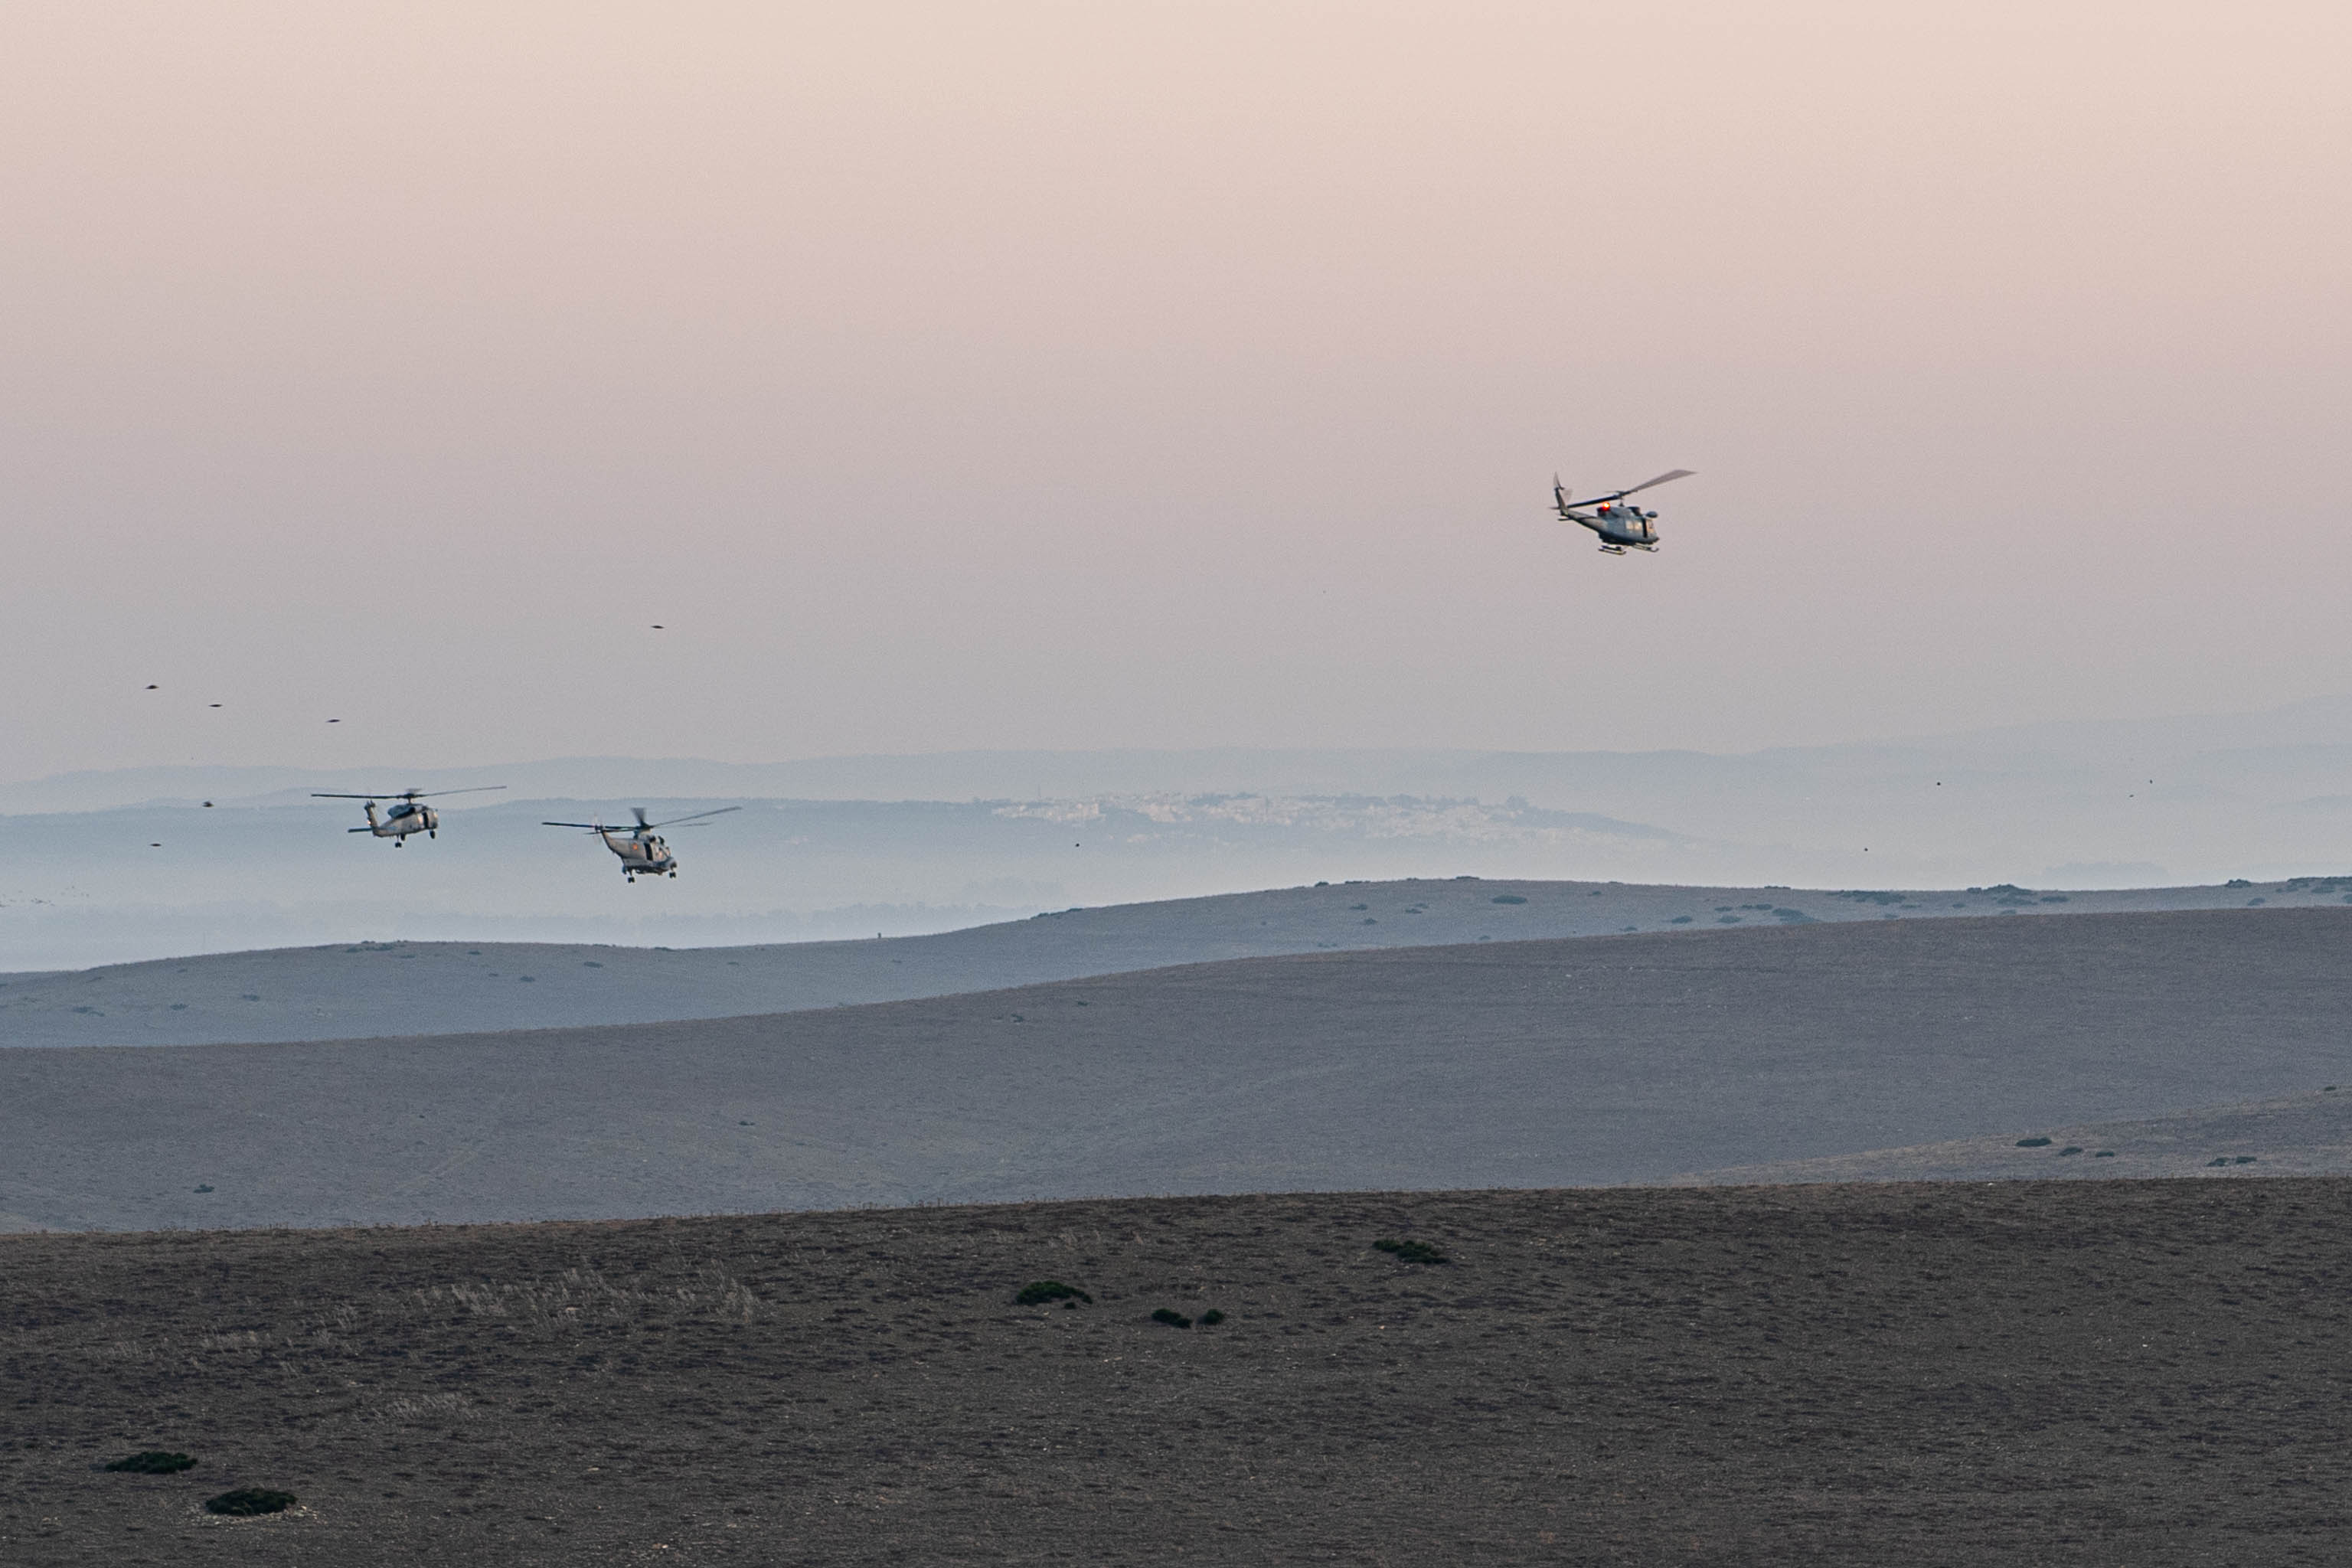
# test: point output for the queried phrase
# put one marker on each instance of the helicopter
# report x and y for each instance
(641, 849)
(408, 816)
(1620, 528)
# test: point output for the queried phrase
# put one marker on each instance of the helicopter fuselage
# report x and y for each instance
(642, 854)
(402, 819)
(1619, 526)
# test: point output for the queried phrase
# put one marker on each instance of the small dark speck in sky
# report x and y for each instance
(152, 687)
(155, 846)
(212, 704)
(208, 805)
(334, 720)
(658, 627)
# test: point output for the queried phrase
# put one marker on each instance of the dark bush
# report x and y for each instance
(1173, 1319)
(1037, 1292)
(1507, 899)
(1410, 1251)
(2245, 1160)
(1680, 921)
(154, 1462)
(2033, 1143)
(1211, 1318)
(2105, 1154)
(2071, 1148)
(2237, 882)
(247, 1501)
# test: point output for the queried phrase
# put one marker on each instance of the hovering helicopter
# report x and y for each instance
(408, 816)
(641, 849)
(1620, 527)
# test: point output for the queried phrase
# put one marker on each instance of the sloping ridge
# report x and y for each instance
(362, 990)
(1519, 1065)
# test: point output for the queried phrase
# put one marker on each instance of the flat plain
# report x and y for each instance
(2097, 1372)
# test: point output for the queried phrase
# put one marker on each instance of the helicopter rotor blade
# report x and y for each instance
(697, 816)
(590, 826)
(401, 793)
(1662, 478)
(639, 813)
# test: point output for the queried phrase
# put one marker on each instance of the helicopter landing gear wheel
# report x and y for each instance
(673, 875)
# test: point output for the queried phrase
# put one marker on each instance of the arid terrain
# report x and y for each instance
(1533, 1064)
(365, 990)
(2103, 1373)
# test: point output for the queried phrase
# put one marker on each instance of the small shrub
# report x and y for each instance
(1507, 899)
(1680, 921)
(2222, 1161)
(1410, 1251)
(1037, 1292)
(2033, 1143)
(2105, 1154)
(2237, 882)
(1173, 1318)
(248, 1501)
(153, 1462)
(2069, 1149)
(2245, 1160)
(1211, 1318)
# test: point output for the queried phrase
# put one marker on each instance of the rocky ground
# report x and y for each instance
(2116, 1373)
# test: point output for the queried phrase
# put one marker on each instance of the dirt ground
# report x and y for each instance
(2112, 1373)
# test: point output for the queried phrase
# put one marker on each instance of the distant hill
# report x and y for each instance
(402, 987)
(106, 866)
(1524, 1064)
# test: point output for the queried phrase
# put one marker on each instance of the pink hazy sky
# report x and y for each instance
(1032, 375)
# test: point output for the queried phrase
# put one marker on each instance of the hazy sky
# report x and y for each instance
(1119, 374)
